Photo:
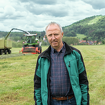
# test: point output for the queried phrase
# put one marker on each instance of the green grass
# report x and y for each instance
(94, 58)
(95, 20)
(80, 36)
(17, 73)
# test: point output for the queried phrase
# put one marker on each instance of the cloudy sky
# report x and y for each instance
(34, 15)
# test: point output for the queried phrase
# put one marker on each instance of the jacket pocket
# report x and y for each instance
(72, 67)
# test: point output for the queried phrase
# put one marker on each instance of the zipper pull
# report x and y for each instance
(69, 63)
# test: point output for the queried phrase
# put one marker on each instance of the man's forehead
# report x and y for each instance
(53, 27)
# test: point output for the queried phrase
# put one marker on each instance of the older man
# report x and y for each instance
(60, 75)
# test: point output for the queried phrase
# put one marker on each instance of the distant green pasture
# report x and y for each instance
(17, 73)
(80, 36)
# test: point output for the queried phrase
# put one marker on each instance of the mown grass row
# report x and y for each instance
(94, 58)
(17, 73)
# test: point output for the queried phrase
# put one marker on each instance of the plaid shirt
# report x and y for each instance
(60, 82)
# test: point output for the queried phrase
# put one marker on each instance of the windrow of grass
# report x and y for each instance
(94, 58)
(16, 80)
(17, 73)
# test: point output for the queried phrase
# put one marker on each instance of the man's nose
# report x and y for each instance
(53, 37)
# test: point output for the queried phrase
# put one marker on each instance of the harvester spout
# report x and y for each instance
(15, 29)
(8, 34)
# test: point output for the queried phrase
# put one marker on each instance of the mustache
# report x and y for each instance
(54, 40)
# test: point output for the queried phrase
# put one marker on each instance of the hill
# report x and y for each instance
(93, 27)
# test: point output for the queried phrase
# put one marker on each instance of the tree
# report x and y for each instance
(86, 38)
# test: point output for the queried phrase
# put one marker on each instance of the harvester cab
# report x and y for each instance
(31, 45)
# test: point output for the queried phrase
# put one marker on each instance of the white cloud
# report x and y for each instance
(34, 15)
(96, 4)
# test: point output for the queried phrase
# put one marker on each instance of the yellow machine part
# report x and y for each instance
(5, 44)
(1, 43)
(8, 44)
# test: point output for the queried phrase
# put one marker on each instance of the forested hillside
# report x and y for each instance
(92, 27)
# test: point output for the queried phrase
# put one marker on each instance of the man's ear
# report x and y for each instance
(62, 34)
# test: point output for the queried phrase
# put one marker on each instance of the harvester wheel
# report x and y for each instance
(5, 51)
(1, 52)
(40, 49)
(9, 51)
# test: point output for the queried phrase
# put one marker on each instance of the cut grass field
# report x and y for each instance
(17, 73)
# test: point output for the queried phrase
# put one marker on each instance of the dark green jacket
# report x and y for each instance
(77, 74)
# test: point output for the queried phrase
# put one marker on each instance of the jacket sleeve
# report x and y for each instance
(84, 85)
(37, 84)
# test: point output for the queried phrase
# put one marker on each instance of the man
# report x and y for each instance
(60, 75)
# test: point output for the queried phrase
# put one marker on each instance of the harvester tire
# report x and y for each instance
(5, 51)
(9, 51)
(40, 49)
(1, 52)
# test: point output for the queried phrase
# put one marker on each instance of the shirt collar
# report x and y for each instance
(61, 51)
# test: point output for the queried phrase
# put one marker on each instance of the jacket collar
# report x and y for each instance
(68, 48)
(46, 53)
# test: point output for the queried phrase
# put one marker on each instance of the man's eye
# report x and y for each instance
(55, 34)
(49, 35)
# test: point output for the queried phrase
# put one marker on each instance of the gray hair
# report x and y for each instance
(54, 23)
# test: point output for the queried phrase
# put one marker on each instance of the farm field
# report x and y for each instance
(17, 73)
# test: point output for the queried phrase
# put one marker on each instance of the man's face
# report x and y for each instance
(54, 36)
